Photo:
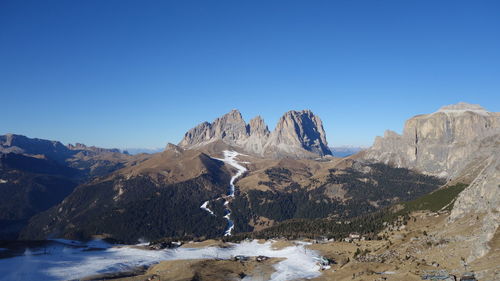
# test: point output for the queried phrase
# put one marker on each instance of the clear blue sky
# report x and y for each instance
(140, 73)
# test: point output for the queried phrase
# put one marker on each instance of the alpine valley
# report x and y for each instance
(427, 199)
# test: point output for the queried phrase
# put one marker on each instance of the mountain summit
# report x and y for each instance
(440, 143)
(297, 134)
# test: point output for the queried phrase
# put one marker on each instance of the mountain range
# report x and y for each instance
(51, 190)
(298, 134)
(36, 174)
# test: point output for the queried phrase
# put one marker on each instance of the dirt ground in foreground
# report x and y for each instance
(427, 242)
(209, 270)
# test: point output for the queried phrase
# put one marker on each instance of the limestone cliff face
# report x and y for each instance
(481, 197)
(258, 135)
(297, 134)
(462, 143)
(437, 143)
(230, 128)
(298, 129)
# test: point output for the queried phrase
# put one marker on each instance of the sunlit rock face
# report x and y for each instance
(481, 197)
(231, 128)
(258, 136)
(297, 134)
(440, 143)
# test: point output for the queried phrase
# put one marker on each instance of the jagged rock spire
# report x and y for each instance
(297, 134)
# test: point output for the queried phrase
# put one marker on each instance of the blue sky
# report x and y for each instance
(140, 73)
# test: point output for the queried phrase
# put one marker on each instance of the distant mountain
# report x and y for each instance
(30, 185)
(158, 197)
(441, 143)
(51, 149)
(36, 174)
(134, 151)
(298, 134)
(91, 160)
(344, 151)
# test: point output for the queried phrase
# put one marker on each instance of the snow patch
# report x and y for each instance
(204, 207)
(68, 260)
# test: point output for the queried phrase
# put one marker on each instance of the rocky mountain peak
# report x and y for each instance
(83, 147)
(174, 148)
(299, 129)
(234, 114)
(298, 134)
(230, 127)
(77, 146)
(257, 126)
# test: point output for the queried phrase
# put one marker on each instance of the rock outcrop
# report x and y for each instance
(440, 143)
(482, 197)
(231, 128)
(297, 134)
(258, 135)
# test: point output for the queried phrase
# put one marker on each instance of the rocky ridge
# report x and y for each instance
(441, 143)
(297, 134)
(55, 150)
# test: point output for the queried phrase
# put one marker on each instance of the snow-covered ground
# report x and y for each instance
(68, 260)
(230, 159)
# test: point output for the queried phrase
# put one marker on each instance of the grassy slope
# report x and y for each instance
(436, 200)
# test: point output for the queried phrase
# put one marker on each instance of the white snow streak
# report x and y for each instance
(62, 260)
(204, 207)
(229, 158)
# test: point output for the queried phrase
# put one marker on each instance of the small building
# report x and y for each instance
(354, 236)
(320, 240)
